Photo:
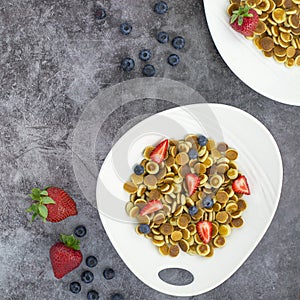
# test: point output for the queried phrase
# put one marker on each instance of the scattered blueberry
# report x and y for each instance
(91, 261)
(145, 55)
(193, 154)
(149, 70)
(144, 228)
(127, 64)
(139, 170)
(125, 28)
(75, 287)
(108, 273)
(207, 202)
(87, 276)
(173, 60)
(202, 140)
(80, 231)
(193, 210)
(161, 7)
(100, 13)
(117, 297)
(163, 37)
(178, 42)
(92, 295)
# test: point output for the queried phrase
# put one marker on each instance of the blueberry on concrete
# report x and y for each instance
(178, 42)
(163, 37)
(145, 55)
(80, 231)
(173, 60)
(125, 28)
(149, 70)
(127, 64)
(91, 261)
(161, 7)
(75, 287)
(87, 276)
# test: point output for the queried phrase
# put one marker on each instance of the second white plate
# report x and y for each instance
(259, 159)
(263, 75)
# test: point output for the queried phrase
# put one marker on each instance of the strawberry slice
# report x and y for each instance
(204, 229)
(159, 153)
(192, 182)
(150, 207)
(240, 185)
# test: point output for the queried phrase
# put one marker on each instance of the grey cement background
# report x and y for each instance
(54, 59)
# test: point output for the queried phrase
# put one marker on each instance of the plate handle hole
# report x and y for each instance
(176, 276)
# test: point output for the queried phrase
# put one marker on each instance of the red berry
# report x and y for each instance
(244, 20)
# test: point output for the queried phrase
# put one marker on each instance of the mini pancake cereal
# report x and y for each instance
(187, 195)
(278, 30)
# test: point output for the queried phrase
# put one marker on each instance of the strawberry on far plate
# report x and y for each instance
(65, 256)
(52, 204)
(244, 20)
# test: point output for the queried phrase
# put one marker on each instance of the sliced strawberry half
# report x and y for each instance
(204, 229)
(159, 153)
(150, 207)
(192, 182)
(240, 185)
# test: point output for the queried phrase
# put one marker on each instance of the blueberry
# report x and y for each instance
(75, 287)
(207, 202)
(92, 295)
(163, 37)
(127, 64)
(193, 154)
(139, 170)
(117, 297)
(145, 55)
(149, 70)
(80, 231)
(125, 28)
(100, 13)
(91, 261)
(193, 210)
(161, 7)
(173, 60)
(108, 273)
(87, 276)
(144, 228)
(202, 140)
(178, 42)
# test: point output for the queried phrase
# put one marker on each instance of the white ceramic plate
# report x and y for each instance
(259, 159)
(263, 75)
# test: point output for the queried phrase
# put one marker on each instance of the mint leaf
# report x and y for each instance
(44, 193)
(43, 211)
(47, 200)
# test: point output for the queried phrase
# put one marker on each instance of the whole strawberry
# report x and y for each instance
(65, 256)
(53, 204)
(244, 20)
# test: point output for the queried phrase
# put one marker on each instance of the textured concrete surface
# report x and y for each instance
(54, 59)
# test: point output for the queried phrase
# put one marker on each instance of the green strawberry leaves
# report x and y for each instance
(39, 208)
(70, 241)
(239, 15)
